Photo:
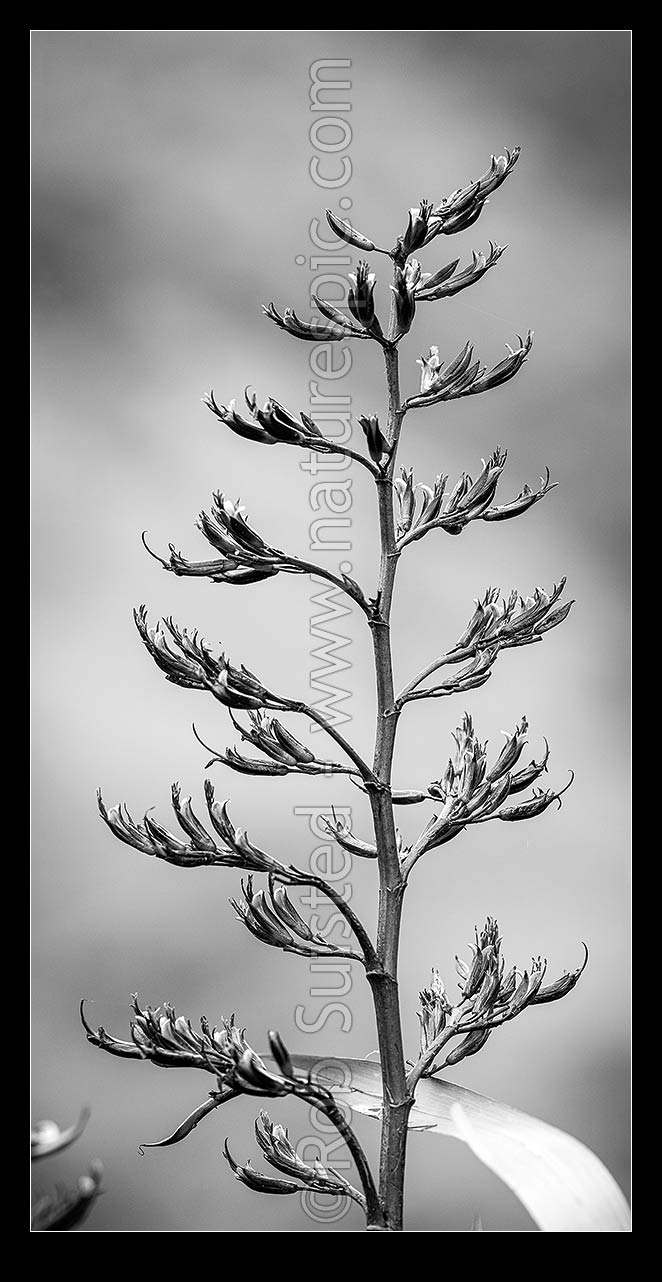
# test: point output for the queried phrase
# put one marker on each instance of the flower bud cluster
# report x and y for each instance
(490, 996)
(472, 792)
(445, 284)
(464, 376)
(280, 1153)
(285, 754)
(421, 508)
(273, 919)
(193, 666)
(200, 849)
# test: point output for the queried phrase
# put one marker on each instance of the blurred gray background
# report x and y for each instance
(172, 195)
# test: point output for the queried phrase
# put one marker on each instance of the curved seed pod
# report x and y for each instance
(189, 1124)
(288, 913)
(430, 282)
(538, 803)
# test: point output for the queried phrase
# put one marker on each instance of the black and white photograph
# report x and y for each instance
(330, 613)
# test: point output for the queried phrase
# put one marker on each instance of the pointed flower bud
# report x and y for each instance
(471, 1045)
(280, 1054)
(406, 280)
(417, 228)
(360, 298)
(435, 1009)
(346, 232)
(341, 832)
(378, 445)
(406, 500)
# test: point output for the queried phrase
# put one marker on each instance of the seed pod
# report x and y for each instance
(281, 1054)
(290, 744)
(473, 1043)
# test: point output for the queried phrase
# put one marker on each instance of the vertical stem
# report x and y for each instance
(397, 1101)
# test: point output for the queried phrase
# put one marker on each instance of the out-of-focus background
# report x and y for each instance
(172, 196)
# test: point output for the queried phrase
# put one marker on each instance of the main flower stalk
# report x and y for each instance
(397, 1100)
